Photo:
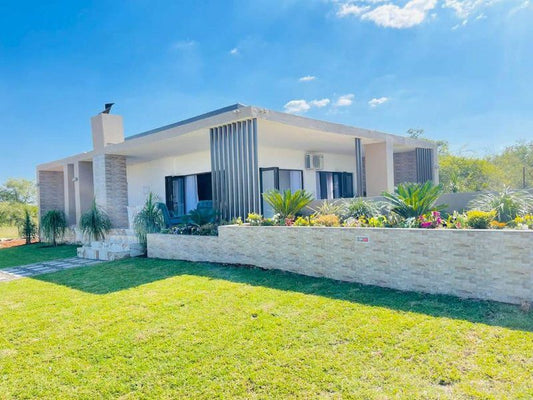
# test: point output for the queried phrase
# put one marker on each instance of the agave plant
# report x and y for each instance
(27, 227)
(330, 208)
(508, 204)
(148, 220)
(287, 204)
(95, 223)
(53, 226)
(411, 200)
(358, 207)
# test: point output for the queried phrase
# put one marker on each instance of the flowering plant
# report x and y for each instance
(431, 220)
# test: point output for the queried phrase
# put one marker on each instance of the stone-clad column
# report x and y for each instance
(111, 187)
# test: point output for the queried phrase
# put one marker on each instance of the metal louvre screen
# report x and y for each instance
(424, 165)
(359, 168)
(234, 169)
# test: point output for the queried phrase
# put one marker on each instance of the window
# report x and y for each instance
(184, 192)
(334, 185)
(280, 179)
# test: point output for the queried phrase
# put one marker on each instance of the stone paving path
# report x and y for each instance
(44, 267)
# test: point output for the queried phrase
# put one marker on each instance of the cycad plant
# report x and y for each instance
(27, 227)
(287, 204)
(411, 200)
(508, 204)
(53, 226)
(148, 220)
(95, 223)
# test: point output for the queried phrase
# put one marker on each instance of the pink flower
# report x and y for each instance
(426, 224)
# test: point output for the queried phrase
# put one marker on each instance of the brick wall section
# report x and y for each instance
(111, 187)
(51, 191)
(490, 265)
(405, 167)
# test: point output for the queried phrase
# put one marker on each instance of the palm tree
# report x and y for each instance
(411, 200)
(95, 223)
(53, 226)
(148, 220)
(287, 204)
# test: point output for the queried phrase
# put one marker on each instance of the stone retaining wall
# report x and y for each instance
(483, 264)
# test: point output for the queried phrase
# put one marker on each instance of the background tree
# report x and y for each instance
(512, 161)
(468, 174)
(18, 191)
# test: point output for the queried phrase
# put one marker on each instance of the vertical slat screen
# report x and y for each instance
(424, 165)
(359, 178)
(234, 169)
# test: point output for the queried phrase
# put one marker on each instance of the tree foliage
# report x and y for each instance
(18, 191)
(466, 174)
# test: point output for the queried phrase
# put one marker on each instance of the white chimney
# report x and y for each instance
(107, 129)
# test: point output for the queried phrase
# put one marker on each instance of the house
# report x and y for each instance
(230, 156)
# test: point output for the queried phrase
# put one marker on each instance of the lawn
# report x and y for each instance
(146, 328)
(33, 253)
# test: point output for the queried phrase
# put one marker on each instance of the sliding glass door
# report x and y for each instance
(278, 179)
(184, 192)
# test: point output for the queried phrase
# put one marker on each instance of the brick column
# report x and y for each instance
(51, 191)
(111, 187)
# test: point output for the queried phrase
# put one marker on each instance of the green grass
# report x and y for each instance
(28, 254)
(147, 328)
(9, 232)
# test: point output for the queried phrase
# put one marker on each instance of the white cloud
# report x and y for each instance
(345, 100)
(307, 78)
(411, 14)
(523, 5)
(184, 44)
(351, 9)
(464, 8)
(377, 101)
(302, 106)
(320, 103)
(234, 51)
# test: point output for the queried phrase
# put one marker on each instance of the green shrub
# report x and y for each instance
(95, 223)
(53, 226)
(201, 216)
(508, 203)
(411, 200)
(330, 208)
(457, 221)
(480, 219)
(358, 207)
(148, 220)
(287, 204)
(27, 227)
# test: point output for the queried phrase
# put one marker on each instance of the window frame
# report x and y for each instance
(344, 193)
(276, 179)
(169, 191)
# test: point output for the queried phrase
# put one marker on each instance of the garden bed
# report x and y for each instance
(483, 264)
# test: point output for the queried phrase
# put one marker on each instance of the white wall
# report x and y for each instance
(150, 176)
(295, 159)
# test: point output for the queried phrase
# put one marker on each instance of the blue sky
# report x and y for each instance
(460, 69)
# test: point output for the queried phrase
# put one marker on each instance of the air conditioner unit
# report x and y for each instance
(308, 161)
(314, 161)
(318, 161)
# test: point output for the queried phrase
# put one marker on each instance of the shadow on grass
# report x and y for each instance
(126, 274)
